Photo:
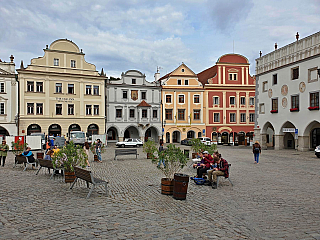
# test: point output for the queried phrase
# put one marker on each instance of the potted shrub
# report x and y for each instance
(173, 159)
(196, 147)
(68, 157)
(18, 147)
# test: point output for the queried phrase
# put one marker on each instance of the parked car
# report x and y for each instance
(186, 141)
(206, 140)
(317, 151)
(130, 142)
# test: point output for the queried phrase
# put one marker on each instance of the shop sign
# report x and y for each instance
(59, 99)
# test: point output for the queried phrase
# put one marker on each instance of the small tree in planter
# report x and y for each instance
(198, 146)
(18, 147)
(68, 157)
(174, 160)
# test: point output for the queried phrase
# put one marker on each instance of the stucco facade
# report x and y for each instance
(183, 104)
(8, 98)
(133, 108)
(61, 92)
(229, 100)
(288, 96)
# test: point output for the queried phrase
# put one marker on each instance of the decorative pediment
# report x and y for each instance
(4, 72)
(233, 70)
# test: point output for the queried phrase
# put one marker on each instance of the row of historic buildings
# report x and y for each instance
(60, 92)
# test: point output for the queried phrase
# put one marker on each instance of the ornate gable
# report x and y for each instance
(4, 72)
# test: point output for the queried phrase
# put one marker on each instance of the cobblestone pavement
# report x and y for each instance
(277, 199)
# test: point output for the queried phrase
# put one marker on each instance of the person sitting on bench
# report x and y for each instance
(220, 170)
(48, 155)
(207, 161)
(29, 155)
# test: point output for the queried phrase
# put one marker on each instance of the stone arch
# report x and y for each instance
(267, 135)
(113, 133)
(33, 128)
(288, 137)
(4, 132)
(311, 136)
(151, 132)
(131, 131)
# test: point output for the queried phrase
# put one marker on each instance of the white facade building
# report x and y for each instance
(8, 98)
(133, 108)
(287, 93)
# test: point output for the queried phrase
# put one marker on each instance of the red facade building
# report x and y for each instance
(229, 100)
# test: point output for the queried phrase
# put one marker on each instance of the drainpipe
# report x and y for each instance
(18, 114)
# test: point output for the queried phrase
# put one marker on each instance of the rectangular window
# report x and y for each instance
(181, 114)
(143, 95)
(216, 100)
(95, 109)
(124, 94)
(118, 113)
(155, 113)
(196, 114)
(95, 90)
(216, 117)
(295, 102)
(261, 108)
(70, 109)
(312, 74)
(179, 81)
(242, 117)
(131, 113)
(251, 101)
(30, 86)
(30, 108)
(196, 99)
(88, 89)
(2, 112)
(232, 100)
(265, 86)
(233, 76)
(88, 109)
(58, 109)
(181, 98)
(144, 113)
(294, 73)
(70, 88)
(168, 98)
(134, 81)
(243, 101)
(39, 108)
(39, 86)
(186, 82)
(56, 62)
(251, 117)
(2, 87)
(58, 87)
(275, 79)
(73, 63)
(275, 104)
(232, 117)
(168, 114)
(314, 99)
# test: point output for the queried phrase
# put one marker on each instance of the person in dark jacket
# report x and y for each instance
(207, 161)
(256, 150)
(29, 155)
(222, 169)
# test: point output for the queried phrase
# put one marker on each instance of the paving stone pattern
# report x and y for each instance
(277, 199)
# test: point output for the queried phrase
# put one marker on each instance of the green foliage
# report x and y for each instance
(198, 146)
(18, 147)
(70, 156)
(174, 158)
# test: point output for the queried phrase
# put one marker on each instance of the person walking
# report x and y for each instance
(3, 152)
(86, 148)
(256, 149)
(161, 159)
(98, 149)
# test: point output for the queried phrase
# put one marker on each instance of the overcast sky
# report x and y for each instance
(118, 35)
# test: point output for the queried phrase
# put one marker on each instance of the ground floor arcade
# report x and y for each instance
(7, 129)
(176, 133)
(302, 137)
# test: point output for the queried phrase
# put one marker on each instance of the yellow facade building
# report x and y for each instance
(60, 92)
(183, 106)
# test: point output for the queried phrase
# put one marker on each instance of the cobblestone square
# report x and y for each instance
(277, 199)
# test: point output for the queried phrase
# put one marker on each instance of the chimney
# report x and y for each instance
(297, 36)
(21, 65)
(275, 46)
(260, 53)
(11, 58)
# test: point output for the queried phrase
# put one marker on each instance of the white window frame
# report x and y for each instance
(73, 63)
(56, 62)
(194, 98)
(2, 87)
(38, 107)
(2, 108)
(29, 112)
(170, 98)
(243, 103)
(251, 101)
(243, 117)
(309, 74)
(235, 117)
(179, 80)
(230, 100)
(216, 115)
(96, 110)
(251, 117)
(184, 99)
(265, 86)
(70, 112)
(88, 109)
(96, 90)
(262, 108)
(88, 89)
(214, 100)
(37, 90)
(59, 87)
(186, 82)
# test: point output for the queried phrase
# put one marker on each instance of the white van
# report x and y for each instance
(206, 140)
(77, 137)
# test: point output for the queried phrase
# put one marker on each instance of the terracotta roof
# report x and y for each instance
(144, 104)
(206, 74)
(165, 76)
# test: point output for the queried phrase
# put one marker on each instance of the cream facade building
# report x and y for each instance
(8, 99)
(60, 92)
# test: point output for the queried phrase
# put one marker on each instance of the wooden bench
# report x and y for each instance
(120, 152)
(47, 164)
(19, 159)
(218, 177)
(88, 177)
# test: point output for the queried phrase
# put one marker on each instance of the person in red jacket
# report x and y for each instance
(207, 161)
(221, 170)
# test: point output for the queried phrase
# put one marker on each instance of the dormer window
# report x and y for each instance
(73, 63)
(56, 62)
(182, 70)
(134, 81)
